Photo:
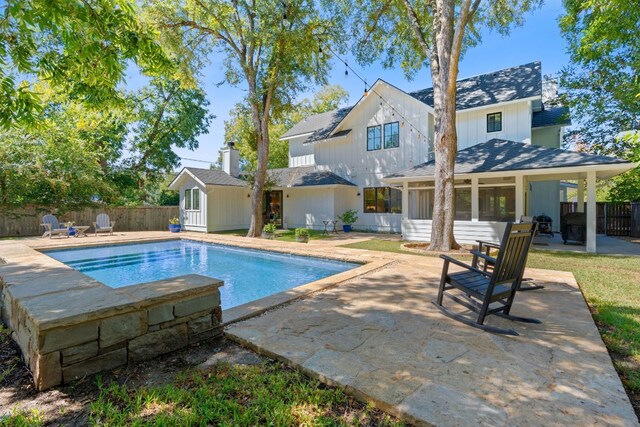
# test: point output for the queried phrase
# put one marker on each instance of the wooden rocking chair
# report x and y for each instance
(485, 292)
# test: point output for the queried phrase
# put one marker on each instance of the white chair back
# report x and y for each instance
(51, 219)
(103, 220)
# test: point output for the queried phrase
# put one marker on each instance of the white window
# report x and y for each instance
(195, 193)
(187, 199)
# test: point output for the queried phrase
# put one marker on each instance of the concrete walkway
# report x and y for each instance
(605, 245)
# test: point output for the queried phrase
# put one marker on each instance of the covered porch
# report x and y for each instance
(495, 183)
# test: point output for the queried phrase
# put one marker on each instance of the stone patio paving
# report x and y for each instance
(382, 339)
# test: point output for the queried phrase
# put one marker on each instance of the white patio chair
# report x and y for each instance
(51, 226)
(103, 224)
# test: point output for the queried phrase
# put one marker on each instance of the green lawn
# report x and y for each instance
(611, 286)
(284, 235)
(267, 394)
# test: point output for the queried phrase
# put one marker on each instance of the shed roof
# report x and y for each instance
(551, 117)
(498, 155)
(305, 177)
(211, 177)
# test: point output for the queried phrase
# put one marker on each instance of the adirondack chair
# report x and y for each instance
(103, 224)
(484, 292)
(51, 226)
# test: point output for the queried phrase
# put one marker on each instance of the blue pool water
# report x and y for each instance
(248, 274)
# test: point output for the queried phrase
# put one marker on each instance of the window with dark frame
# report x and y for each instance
(374, 138)
(382, 200)
(187, 200)
(494, 122)
(392, 135)
(195, 193)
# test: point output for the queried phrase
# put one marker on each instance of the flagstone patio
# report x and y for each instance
(381, 339)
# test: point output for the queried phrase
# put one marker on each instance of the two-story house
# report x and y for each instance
(377, 157)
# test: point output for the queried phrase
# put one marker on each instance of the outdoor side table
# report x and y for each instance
(326, 223)
(80, 230)
(335, 222)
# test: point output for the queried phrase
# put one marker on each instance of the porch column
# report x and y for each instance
(591, 211)
(580, 195)
(475, 203)
(405, 200)
(519, 197)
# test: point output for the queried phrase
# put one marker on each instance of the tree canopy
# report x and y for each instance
(602, 83)
(240, 130)
(80, 48)
(272, 48)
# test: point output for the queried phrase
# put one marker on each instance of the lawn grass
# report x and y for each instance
(233, 395)
(283, 235)
(611, 286)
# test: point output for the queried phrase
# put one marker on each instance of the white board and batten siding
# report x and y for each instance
(471, 125)
(193, 220)
(464, 231)
(308, 207)
(229, 208)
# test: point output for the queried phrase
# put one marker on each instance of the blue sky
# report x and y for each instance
(538, 39)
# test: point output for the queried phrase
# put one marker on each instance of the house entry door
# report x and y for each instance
(272, 207)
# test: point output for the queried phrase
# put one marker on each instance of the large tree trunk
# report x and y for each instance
(261, 123)
(444, 72)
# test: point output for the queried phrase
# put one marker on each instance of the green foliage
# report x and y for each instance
(240, 129)
(602, 84)
(80, 48)
(175, 220)
(269, 228)
(302, 232)
(349, 217)
(384, 30)
(22, 418)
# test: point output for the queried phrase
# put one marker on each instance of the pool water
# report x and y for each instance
(248, 274)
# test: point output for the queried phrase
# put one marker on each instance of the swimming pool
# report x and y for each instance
(248, 274)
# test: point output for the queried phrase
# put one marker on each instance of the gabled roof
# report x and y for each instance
(210, 177)
(510, 84)
(498, 155)
(557, 116)
(304, 177)
(318, 126)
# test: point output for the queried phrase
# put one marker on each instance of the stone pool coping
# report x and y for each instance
(46, 302)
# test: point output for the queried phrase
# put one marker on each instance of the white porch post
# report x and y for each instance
(519, 197)
(475, 203)
(405, 206)
(591, 211)
(580, 195)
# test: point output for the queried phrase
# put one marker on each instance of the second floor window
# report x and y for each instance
(391, 135)
(494, 122)
(374, 139)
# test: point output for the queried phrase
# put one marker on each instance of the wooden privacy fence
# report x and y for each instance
(26, 222)
(612, 219)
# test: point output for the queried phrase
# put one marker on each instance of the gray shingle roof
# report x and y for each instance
(321, 125)
(510, 84)
(501, 155)
(305, 176)
(551, 117)
(216, 177)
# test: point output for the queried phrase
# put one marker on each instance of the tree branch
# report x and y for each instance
(415, 26)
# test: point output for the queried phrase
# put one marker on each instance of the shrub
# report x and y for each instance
(174, 220)
(302, 232)
(269, 228)
(349, 217)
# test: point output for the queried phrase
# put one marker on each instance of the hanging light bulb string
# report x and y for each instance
(371, 89)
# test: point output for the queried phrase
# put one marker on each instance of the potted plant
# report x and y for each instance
(69, 225)
(302, 235)
(348, 218)
(268, 231)
(174, 225)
